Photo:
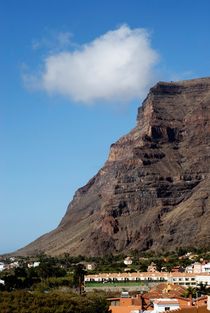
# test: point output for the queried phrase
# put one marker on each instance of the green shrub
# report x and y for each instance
(25, 302)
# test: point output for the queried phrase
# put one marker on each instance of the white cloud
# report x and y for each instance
(117, 66)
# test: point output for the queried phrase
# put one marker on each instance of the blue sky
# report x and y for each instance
(55, 126)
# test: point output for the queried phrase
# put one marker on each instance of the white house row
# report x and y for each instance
(184, 279)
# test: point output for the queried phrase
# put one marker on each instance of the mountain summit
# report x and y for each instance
(153, 191)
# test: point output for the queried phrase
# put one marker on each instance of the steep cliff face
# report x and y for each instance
(153, 191)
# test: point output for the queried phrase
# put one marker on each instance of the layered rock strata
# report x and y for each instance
(153, 191)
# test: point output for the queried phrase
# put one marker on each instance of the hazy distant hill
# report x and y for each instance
(153, 191)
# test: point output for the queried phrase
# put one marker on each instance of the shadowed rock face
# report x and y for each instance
(153, 191)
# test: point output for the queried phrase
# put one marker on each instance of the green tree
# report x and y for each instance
(203, 289)
(191, 292)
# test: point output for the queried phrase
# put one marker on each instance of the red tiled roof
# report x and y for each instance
(164, 301)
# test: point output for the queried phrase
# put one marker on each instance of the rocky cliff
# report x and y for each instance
(153, 191)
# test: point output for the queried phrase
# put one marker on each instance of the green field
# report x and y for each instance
(114, 284)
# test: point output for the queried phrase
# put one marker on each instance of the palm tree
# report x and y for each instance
(191, 293)
(203, 289)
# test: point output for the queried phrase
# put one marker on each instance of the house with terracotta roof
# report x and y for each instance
(125, 304)
(138, 304)
(178, 269)
(165, 290)
(151, 303)
(195, 309)
(201, 301)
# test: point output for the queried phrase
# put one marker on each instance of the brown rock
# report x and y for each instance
(153, 191)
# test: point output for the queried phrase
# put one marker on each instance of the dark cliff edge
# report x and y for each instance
(153, 191)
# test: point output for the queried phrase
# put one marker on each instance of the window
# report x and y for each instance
(167, 308)
(115, 303)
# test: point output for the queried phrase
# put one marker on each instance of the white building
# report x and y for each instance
(14, 264)
(35, 264)
(2, 266)
(162, 305)
(189, 269)
(206, 268)
(90, 266)
(182, 279)
(128, 261)
(198, 268)
(203, 278)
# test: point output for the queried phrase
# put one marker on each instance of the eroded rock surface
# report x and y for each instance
(153, 191)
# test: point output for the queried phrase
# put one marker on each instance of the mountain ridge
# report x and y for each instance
(153, 190)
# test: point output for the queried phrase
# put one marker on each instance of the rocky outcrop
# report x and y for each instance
(153, 191)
